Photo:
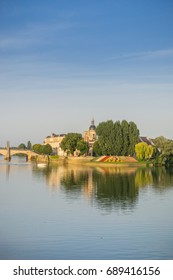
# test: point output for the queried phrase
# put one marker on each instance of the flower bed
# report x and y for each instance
(117, 159)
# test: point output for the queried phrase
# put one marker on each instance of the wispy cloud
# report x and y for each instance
(34, 34)
(7, 43)
(146, 54)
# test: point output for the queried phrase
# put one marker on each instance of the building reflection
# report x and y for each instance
(108, 187)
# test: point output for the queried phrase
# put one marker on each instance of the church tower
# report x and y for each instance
(90, 136)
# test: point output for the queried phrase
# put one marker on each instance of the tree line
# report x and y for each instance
(113, 138)
(116, 138)
(38, 148)
(164, 151)
(160, 153)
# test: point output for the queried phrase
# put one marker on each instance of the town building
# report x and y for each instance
(146, 140)
(90, 136)
(54, 141)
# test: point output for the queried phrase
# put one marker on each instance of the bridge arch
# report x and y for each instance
(2, 152)
(28, 153)
(8, 154)
(16, 152)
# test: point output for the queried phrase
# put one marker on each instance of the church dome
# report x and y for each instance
(92, 126)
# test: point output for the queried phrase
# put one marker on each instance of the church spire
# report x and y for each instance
(92, 126)
(92, 121)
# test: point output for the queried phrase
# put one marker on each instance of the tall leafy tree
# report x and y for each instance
(133, 138)
(82, 146)
(117, 138)
(164, 145)
(125, 137)
(29, 145)
(164, 154)
(97, 149)
(22, 146)
(105, 132)
(42, 149)
(69, 143)
(46, 149)
(143, 151)
(37, 148)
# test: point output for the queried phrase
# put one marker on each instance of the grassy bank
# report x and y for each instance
(92, 161)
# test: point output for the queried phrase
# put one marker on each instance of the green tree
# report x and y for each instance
(37, 148)
(97, 151)
(105, 132)
(69, 143)
(143, 151)
(133, 138)
(125, 137)
(164, 145)
(117, 138)
(46, 149)
(29, 145)
(149, 152)
(42, 149)
(82, 146)
(22, 146)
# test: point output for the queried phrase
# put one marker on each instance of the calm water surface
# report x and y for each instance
(76, 212)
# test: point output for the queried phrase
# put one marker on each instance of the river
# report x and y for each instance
(79, 212)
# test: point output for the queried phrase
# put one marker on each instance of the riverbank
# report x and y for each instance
(89, 161)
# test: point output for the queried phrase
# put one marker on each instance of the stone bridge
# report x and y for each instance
(9, 152)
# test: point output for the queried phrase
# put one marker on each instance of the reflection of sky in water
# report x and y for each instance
(77, 212)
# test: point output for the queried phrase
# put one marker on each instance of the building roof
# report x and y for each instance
(56, 135)
(146, 140)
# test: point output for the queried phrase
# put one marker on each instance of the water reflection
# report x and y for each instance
(82, 212)
(6, 167)
(108, 187)
(159, 178)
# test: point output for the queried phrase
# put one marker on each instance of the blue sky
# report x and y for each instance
(64, 62)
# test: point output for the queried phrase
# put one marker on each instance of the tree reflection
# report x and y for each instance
(143, 177)
(159, 178)
(162, 178)
(114, 187)
(116, 190)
